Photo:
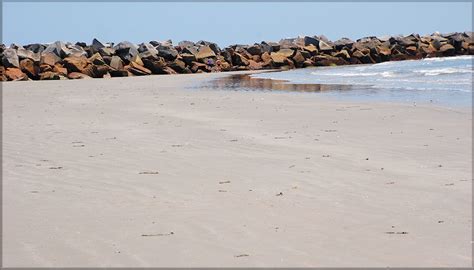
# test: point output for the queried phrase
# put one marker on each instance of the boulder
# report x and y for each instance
(324, 47)
(178, 65)
(167, 52)
(49, 59)
(75, 64)
(126, 50)
(287, 52)
(298, 58)
(147, 50)
(270, 46)
(156, 66)
(77, 75)
(59, 69)
(58, 48)
(312, 49)
(137, 60)
(96, 71)
(97, 59)
(311, 41)
(186, 43)
(188, 58)
(118, 73)
(49, 75)
(254, 50)
(447, 50)
(343, 54)
(328, 60)
(35, 48)
(30, 68)
(138, 70)
(15, 74)
(116, 63)
(214, 47)
(288, 43)
(27, 54)
(412, 50)
(10, 58)
(278, 58)
(106, 51)
(363, 57)
(239, 60)
(205, 52)
(97, 45)
(343, 42)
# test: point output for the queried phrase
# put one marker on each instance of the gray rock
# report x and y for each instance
(58, 48)
(96, 45)
(167, 52)
(10, 58)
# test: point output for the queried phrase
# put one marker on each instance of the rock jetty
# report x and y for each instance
(61, 60)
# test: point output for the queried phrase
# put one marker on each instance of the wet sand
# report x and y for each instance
(145, 172)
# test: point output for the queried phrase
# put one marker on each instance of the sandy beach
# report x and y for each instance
(145, 171)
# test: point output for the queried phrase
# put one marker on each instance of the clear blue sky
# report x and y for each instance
(225, 23)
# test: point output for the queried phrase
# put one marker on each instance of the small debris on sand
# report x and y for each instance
(148, 173)
(224, 182)
(158, 234)
(241, 255)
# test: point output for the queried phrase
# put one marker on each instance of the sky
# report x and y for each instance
(224, 23)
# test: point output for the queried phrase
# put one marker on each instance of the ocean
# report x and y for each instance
(445, 81)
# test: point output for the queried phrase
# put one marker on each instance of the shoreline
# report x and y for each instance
(249, 177)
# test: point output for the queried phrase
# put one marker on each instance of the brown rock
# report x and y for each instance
(2, 74)
(30, 68)
(278, 58)
(138, 70)
(97, 59)
(343, 54)
(254, 65)
(205, 52)
(384, 51)
(156, 66)
(363, 57)
(15, 74)
(58, 68)
(49, 75)
(447, 49)
(169, 71)
(96, 71)
(311, 49)
(49, 59)
(178, 65)
(77, 75)
(287, 52)
(412, 50)
(75, 64)
(298, 59)
(266, 57)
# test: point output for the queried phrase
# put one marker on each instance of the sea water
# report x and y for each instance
(446, 81)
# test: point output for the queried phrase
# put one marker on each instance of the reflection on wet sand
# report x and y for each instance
(246, 82)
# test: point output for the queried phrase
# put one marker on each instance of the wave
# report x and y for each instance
(448, 70)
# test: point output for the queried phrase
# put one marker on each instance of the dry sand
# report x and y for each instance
(143, 172)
